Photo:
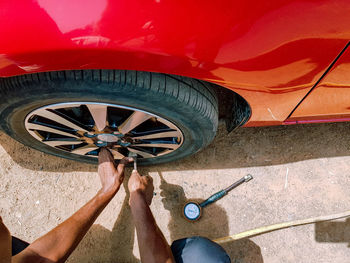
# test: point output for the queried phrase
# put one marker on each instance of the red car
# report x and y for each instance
(154, 77)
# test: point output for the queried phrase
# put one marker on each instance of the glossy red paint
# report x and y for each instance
(270, 52)
(330, 99)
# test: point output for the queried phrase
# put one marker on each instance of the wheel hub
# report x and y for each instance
(107, 137)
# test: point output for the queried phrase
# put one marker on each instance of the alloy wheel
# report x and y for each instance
(83, 127)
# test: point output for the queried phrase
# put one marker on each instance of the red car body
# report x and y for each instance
(288, 59)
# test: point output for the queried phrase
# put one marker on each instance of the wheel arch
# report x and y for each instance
(234, 109)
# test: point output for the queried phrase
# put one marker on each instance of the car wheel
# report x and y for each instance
(72, 114)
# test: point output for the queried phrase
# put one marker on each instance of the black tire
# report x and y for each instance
(190, 104)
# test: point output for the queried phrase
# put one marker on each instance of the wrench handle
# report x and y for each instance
(135, 163)
(213, 198)
(223, 192)
(244, 179)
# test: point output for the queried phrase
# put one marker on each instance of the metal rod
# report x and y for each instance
(239, 182)
(135, 163)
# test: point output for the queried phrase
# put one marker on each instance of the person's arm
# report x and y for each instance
(5, 243)
(59, 243)
(152, 244)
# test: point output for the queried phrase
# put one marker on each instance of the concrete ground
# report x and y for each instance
(300, 171)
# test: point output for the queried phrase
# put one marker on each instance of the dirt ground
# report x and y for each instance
(299, 172)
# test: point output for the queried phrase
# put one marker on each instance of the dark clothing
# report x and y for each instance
(18, 245)
(198, 250)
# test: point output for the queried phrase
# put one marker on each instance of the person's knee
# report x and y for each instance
(198, 249)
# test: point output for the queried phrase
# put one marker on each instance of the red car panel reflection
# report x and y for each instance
(272, 53)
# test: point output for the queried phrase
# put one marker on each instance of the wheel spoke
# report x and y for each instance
(35, 135)
(40, 127)
(54, 143)
(135, 119)
(157, 135)
(142, 153)
(51, 115)
(84, 149)
(116, 154)
(99, 114)
(158, 145)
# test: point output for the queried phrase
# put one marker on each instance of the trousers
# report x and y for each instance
(198, 250)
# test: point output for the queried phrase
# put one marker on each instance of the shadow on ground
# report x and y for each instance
(245, 147)
(120, 241)
(333, 232)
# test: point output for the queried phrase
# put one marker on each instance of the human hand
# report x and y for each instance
(141, 184)
(111, 177)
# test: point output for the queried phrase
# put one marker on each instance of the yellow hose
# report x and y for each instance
(264, 229)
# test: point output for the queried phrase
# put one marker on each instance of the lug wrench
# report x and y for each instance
(134, 156)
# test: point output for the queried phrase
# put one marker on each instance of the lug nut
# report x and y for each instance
(89, 134)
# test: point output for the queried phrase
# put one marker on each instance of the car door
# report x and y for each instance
(329, 100)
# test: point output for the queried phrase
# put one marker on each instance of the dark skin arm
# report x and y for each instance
(5, 243)
(153, 246)
(59, 243)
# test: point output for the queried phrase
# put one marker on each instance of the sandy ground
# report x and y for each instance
(300, 172)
